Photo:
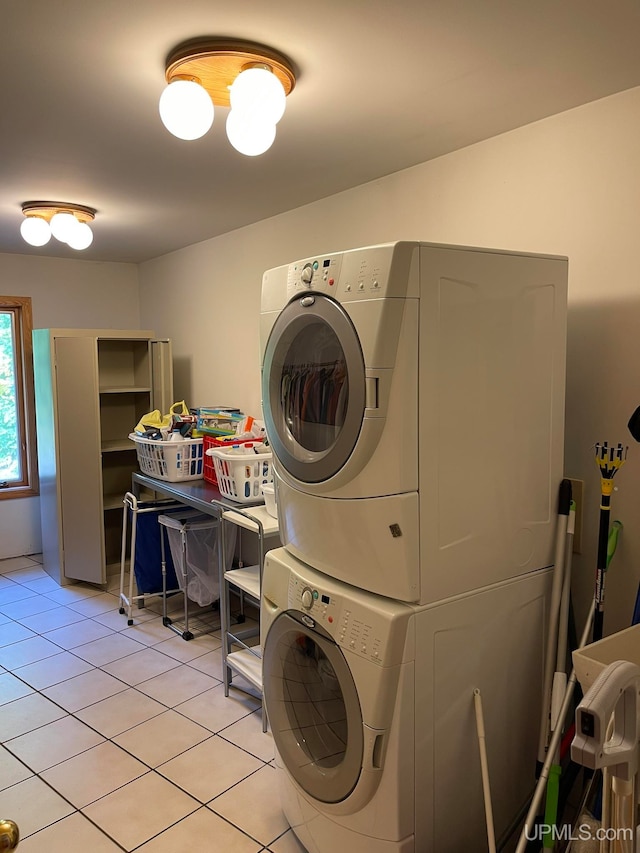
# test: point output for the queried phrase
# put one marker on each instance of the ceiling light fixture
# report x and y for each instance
(68, 223)
(252, 79)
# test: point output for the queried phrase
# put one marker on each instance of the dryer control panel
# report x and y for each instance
(319, 274)
(348, 276)
(360, 630)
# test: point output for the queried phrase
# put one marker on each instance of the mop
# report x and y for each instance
(559, 687)
(530, 820)
(588, 822)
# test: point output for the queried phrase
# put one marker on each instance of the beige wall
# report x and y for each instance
(65, 294)
(567, 185)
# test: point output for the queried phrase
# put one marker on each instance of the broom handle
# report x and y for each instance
(484, 766)
(601, 568)
(555, 740)
(564, 507)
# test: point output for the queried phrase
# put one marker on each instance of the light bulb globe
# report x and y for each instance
(186, 109)
(81, 238)
(35, 231)
(63, 226)
(258, 92)
(249, 137)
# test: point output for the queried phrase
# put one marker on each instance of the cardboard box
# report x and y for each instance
(218, 421)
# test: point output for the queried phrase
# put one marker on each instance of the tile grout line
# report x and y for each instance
(149, 769)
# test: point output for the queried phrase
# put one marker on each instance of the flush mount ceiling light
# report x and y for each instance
(251, 79)
(68, 223)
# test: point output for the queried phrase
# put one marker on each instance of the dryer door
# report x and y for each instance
(313, 709)
(313, 387)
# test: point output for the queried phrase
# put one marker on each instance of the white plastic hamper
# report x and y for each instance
(242, 471)
(170, 460)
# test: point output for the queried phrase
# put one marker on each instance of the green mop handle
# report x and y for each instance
(612, 542)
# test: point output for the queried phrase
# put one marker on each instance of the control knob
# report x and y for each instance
(307, 598)
(307, 275)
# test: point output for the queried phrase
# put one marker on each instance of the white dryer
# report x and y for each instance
(413, 395)
(340, 361)
(370, 702)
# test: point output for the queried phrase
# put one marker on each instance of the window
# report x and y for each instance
(18, 465)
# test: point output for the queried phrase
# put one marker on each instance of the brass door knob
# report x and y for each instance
(9, 835)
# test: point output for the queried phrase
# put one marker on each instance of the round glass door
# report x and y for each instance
(313, 709)
(313, 387)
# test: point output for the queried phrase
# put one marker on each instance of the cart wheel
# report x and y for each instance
(166, 621)
(187, 635)
(129, 621)
(121, 611)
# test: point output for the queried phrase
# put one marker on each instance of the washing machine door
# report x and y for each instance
(313, 709)
(313, 387)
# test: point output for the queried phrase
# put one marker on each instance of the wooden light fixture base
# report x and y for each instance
(215, 64)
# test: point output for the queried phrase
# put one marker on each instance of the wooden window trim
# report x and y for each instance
(20, 306)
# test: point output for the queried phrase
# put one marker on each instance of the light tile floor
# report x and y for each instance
(120, 738)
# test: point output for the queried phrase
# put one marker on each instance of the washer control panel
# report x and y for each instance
(354, 627)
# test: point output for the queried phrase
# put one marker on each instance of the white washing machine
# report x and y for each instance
(370, 702)
(413, 395)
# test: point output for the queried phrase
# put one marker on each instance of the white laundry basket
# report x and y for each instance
(170, 460)
(242, 471)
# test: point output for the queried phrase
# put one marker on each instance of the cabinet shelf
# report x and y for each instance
(114, 444)
(125, 389)
(112, 501)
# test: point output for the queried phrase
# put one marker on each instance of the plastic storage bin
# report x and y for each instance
(269, 492)
(591, 660)
(170, 460)
(209, 469)
(242, 471)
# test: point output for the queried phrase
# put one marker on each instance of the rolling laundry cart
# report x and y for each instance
(240, 653)
(153, 577)
(194, 546)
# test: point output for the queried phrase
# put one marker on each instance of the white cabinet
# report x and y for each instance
(92, 386)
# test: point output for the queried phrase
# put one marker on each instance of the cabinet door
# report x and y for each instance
(161, 375)
(79, 463)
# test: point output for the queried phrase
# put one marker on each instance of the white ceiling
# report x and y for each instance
(382, 85)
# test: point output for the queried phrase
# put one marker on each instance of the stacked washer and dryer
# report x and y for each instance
(413, 396)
